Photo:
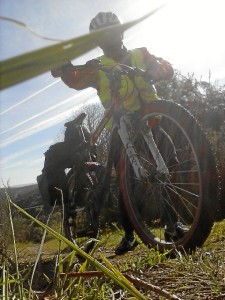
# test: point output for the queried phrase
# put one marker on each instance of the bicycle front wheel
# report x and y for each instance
(173, 208)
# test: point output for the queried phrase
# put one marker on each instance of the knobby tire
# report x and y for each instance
(188, 194)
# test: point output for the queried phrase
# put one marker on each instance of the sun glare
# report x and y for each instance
(183, 30)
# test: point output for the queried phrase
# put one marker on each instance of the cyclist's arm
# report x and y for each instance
(77, 77)
(158, 68)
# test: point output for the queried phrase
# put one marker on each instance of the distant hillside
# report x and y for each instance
(26, 196)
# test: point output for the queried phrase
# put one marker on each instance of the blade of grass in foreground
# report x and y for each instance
(110, 272)
(39, 252)
(18, 275)
(26, 66)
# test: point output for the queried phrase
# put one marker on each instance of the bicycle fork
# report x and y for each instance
(160, 163)
(131, 152)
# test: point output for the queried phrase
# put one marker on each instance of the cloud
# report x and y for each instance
(27, 150)
(36, 128)
(35, 161)
(86, 92)
(42, 125)
(18, 164)
(25, 163)
(28, 98)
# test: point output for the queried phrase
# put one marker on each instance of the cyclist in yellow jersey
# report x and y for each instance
(115, 52)
(133, 95)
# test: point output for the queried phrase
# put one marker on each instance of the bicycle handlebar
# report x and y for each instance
(116, 72)
(124, 69)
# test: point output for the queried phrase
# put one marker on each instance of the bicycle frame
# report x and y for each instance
(122, 130)
(119, 127)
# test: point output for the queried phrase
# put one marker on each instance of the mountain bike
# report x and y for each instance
(163, 179)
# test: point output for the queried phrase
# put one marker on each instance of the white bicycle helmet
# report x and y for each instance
(103, 19)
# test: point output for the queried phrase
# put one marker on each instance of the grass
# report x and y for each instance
(68, 289)
(216, 239)
(61, 275)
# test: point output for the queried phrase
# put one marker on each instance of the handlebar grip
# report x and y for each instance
(124, 69)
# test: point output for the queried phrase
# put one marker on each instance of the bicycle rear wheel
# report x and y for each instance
(186, 195)
(81, 214)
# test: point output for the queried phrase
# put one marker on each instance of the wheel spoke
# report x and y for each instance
(162, 200)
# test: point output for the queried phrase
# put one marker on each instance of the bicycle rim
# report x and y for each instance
(187, 195)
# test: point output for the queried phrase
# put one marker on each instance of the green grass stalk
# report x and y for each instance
(18, 277)
(110, 273)
(39, 252)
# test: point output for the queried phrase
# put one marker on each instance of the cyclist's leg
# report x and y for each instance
(125, 222)
(128, 242)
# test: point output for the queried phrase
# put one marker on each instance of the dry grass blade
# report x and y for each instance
(148, 286)
(138, 283)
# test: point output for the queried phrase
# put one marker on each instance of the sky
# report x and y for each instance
(187, 33)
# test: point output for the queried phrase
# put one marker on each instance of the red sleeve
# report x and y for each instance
(78, 77)
(152, 61)
(169, 72)
(148, 58)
